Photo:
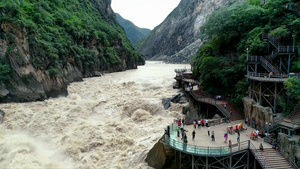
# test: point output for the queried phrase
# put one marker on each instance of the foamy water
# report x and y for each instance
(108, 122)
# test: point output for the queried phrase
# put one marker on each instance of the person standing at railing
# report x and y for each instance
(238, 137)
(230, 144)
(193, 134)
(225, 106)
(178, 131)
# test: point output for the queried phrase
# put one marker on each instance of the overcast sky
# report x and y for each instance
(144, 13)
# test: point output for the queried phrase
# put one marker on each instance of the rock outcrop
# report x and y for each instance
(161, 155)
(178, 37)
(257, 113)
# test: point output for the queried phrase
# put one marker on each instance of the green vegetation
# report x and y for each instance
(68, 31)
(133, 32)
(4, 72)
(221, 62)
(292, 86)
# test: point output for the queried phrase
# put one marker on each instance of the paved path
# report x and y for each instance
(202, 138)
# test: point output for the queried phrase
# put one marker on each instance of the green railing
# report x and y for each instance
(202, 150)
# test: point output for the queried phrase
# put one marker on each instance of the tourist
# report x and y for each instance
(246, 121)
(199, 124)
(226, 137)
(206, 122)
(230, 114)
(261, 147)
(274, 145)
(224, 105)
(181, 127)
(178, 131)
(256, 131)
(182, 121)
(202, 122)
(208, 131)
(193, 133)
(238, 137)
(194, 123)
(230, 144)
(213, 136)
(182, 134)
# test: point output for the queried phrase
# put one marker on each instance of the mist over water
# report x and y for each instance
(108, 122)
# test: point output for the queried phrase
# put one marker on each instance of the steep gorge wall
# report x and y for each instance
(178, 37)
(41, 56)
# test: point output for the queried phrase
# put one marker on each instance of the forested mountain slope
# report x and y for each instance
(133, 32)
(221, 61)
(44, 45)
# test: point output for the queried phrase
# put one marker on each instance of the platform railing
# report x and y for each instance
(258, 157)
(202, 150)
(282, 152)
(277, 76)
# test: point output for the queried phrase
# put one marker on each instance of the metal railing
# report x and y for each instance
(268, 65)
(275, 42)
(202, 150)
(284, 77)
(210, 101)
(282, 152)
(261, 160)
(294, 8)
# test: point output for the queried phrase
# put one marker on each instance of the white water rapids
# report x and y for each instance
(108, 122)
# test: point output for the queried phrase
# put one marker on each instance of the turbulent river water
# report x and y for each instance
(108, 122)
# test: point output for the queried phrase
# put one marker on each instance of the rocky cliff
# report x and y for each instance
(45, 45)
(178, 37)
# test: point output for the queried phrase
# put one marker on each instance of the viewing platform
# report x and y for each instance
(202, 152)
(266, 77)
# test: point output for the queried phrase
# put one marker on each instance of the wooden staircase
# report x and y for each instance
(273, 159)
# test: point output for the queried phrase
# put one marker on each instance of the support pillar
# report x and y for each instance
(193, 162)
(255, 69)
(248, 160)
(259, 99)
(275, 98)
(280, 64)
(179, 160)
(230, 162)
(289, 63)
(206, 163)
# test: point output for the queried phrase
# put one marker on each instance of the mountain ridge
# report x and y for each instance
(133, 32)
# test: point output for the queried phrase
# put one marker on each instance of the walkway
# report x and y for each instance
(202, 97)
(203, 140)
(203, 146)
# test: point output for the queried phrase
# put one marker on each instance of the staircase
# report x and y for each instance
(268, 66)
(295, 115)
(273, 159)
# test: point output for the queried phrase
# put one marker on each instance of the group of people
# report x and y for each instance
(200, 123)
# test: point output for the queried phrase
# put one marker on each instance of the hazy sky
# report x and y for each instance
(144, 13)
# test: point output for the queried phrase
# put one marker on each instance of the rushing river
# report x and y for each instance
(108, 122)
